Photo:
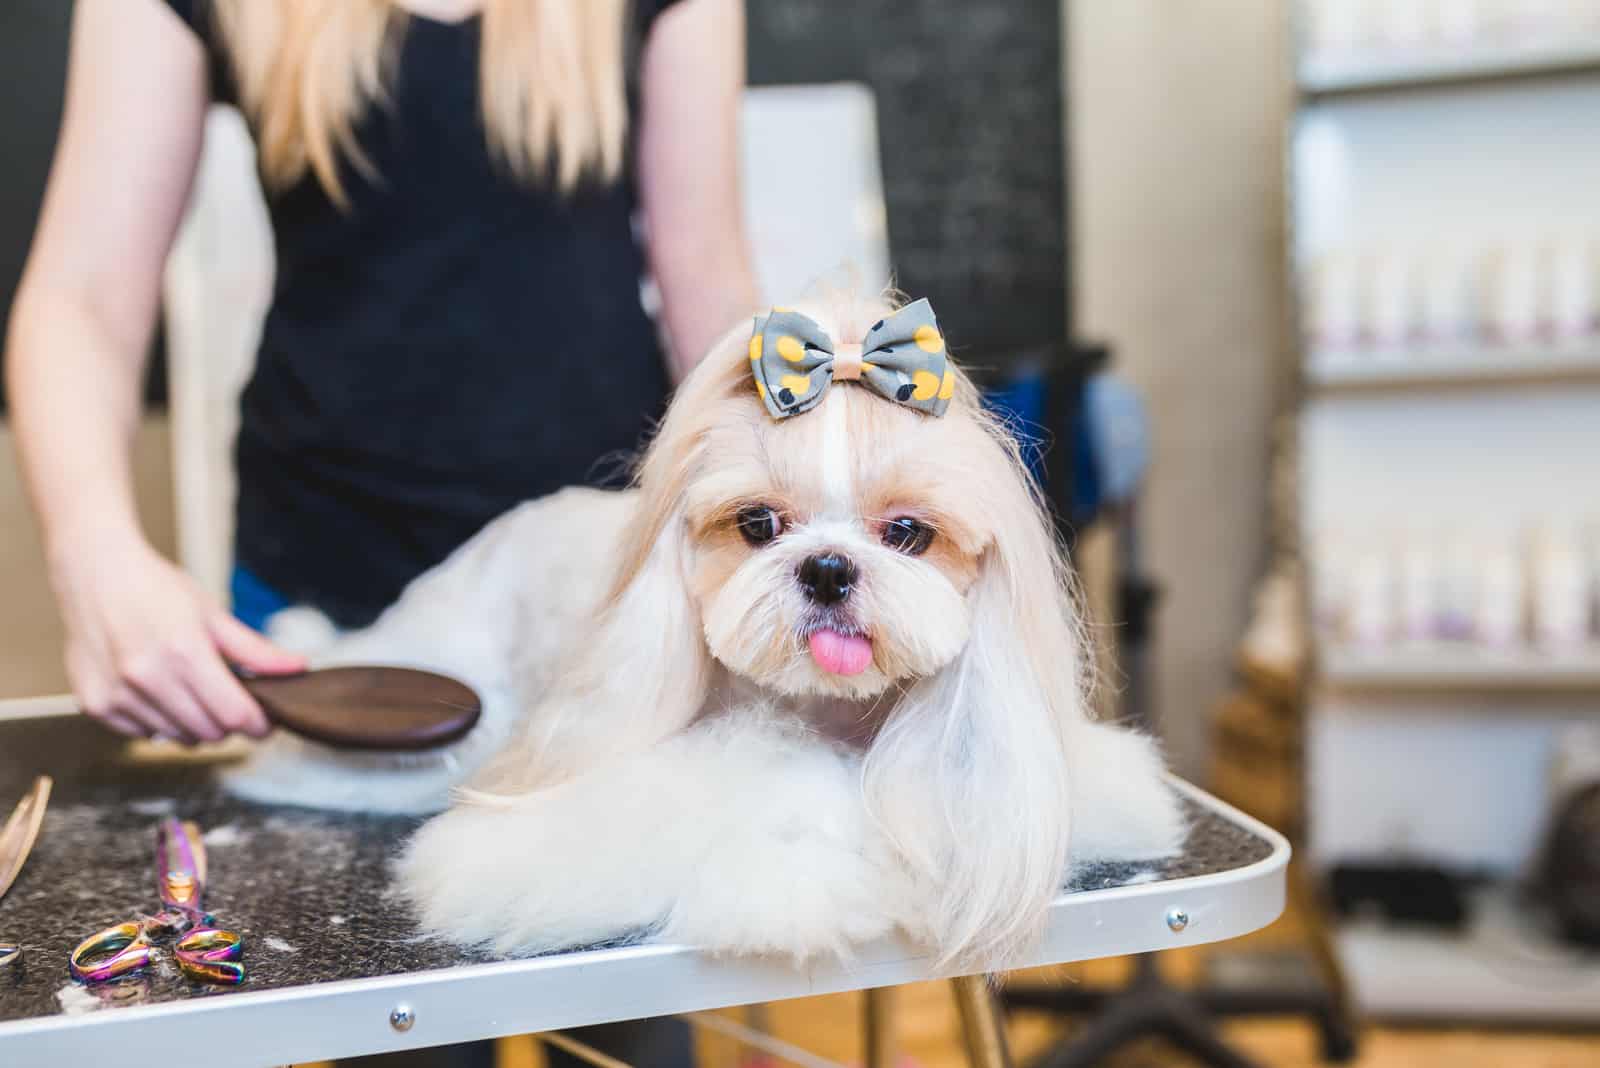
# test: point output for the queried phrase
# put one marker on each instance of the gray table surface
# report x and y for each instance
(308, 890)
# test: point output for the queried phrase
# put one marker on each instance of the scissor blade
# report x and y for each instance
(180, 865)
(22, 830)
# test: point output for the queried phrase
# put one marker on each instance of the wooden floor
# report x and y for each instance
(929, 1036)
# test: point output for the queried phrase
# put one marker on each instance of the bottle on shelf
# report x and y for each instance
(1336, 302)
(1330, 568)
(1560, 586)
(1458, 588)
(1403, 24)
(1519, 305)
(1575, 285)
(1337, 26)
(1451, 296)
(1535, 19)
(1395, 312)
(1371, 608)
(1418, 587)
(1591, 556)
(1460, 22)
(1501, 596)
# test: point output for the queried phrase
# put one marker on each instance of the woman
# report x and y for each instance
(456, 324)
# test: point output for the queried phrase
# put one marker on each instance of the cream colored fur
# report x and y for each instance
(659, 754)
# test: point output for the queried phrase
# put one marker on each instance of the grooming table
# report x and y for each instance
(334, 967)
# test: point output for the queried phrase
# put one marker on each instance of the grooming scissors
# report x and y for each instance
(202, 952)
(16, 842)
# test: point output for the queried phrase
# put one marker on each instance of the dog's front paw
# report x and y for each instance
(750, 903)
(799, 881)
(520, 880)
(738, 836)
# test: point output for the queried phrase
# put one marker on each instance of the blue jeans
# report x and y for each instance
(253, 600)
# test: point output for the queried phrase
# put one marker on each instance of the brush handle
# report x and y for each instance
(369, 708)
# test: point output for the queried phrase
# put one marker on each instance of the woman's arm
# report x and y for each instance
(692, 81)
(143, 641)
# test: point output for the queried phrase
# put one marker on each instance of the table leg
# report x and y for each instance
(581, 1050)
(982, 1024)
(877, 1027)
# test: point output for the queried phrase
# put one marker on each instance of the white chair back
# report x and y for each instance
(812, 187)
(813, 205)
(217, 288)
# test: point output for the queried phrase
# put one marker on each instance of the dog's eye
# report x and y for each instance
(907, 535)
(759, 524)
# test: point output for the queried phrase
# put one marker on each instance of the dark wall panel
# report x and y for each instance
(33, 63)
(971, 123)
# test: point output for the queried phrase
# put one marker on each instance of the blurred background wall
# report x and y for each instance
(1177, 120)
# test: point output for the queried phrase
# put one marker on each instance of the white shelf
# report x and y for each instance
(1384, 368)
(1459, 666)
(1501, 969)
(1352, 72)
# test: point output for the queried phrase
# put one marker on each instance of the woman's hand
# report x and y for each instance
(148, 650)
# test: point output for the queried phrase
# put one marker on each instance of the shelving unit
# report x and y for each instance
(1401, 368)
(1439, 752)
(1331, 75)
(1448, 666)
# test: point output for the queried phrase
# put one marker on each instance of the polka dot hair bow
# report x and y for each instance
(902, 359)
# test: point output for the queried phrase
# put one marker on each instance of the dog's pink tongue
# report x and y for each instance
(840, 654)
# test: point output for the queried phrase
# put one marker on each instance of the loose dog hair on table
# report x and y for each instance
(817, 678)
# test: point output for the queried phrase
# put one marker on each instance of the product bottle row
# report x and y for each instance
(1363, 27)
(1536, 589)
(1525, 293)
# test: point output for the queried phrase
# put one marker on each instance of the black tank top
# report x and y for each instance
(453, 342)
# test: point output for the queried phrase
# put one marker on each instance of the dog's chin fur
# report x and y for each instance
(659, 753)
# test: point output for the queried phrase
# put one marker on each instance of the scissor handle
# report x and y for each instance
(111, 953)
(211, 955)
(203, 953)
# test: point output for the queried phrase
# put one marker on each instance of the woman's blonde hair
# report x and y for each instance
(550, 83)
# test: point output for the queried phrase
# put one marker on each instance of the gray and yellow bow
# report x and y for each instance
(902, 359)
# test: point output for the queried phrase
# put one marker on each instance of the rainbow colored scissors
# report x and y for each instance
(202, 952)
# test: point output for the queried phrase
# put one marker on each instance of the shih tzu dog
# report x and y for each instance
(816, 679)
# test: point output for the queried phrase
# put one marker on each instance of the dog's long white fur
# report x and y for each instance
(645, 762)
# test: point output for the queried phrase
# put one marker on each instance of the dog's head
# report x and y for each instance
(835, 552)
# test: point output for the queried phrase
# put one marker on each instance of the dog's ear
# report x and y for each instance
(643, 670)
(969, 777)
(639, 674)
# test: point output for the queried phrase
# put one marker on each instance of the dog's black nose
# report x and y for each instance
(827, 577)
